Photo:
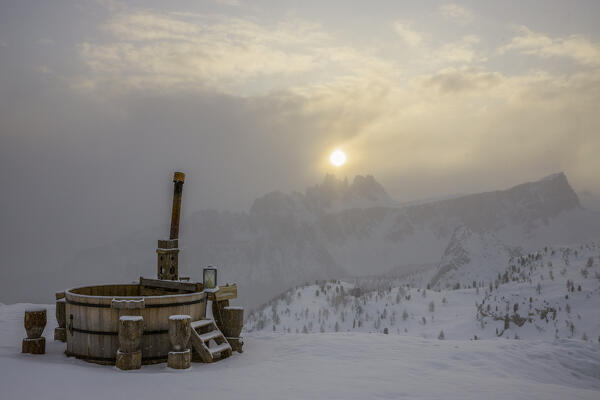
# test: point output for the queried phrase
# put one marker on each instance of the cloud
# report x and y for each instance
(454, 80)
(46, 42)
(232, 3)
(576, 47)
(447, 113)
(44, 70)
(461, 51)
(429, 55)
(226, 54)
(457, 13)
(409, 36)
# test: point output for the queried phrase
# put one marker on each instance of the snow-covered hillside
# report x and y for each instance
(319, 366)
(553, 293)
(338, 229)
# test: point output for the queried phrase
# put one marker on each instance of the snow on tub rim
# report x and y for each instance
(93, 319)
(179, 317)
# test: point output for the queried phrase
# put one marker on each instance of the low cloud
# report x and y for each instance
(454, 80)
(207, 52)
(46, 42)
(576, 47)
(232, 3)
(461, 51)
(410, 37)
(457, 13)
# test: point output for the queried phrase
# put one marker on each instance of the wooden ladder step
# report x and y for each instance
(201, 323)
(205, 337)
(220, 348)
(200, 341)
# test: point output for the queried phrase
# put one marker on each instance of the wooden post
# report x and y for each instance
(168, 259)
(230, 321)
(131, 329)
(179, 335)
(60, 333)
(167, 250)
(35, 322)
(233, 322)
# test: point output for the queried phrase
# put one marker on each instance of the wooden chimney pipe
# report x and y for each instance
(178, 179)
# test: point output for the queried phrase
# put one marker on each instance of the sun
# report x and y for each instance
(337, 158)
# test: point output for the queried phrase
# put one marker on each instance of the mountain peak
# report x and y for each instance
(553, 192)
(557, 176)
(335, 193)
(331, 195)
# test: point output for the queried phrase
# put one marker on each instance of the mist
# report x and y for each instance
(381, 199)
(102, 102)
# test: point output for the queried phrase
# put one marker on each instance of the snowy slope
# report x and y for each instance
(318, 366)
(471, 256)
(478, 309)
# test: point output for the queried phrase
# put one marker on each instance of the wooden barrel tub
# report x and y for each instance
(93, 312)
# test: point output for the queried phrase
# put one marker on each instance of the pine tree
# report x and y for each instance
(572, 328)
(441, 336)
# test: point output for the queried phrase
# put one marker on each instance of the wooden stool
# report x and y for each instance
(35, 322)
(131, 329)
(179, 335)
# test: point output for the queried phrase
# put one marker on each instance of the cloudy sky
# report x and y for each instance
(101, 100)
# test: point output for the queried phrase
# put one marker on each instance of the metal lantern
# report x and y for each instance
(209, 277)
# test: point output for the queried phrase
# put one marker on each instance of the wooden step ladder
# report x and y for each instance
(203, 332)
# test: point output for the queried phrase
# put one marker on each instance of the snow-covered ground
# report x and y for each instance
(530, 330)
(342, 365)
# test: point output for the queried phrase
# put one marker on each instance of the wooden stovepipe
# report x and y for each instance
(178, 179)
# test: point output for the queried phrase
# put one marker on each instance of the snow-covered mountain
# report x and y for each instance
(338, 229)
(551, 293)
(471, 256)
(331, 196)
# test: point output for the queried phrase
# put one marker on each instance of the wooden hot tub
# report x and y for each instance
(93, 312)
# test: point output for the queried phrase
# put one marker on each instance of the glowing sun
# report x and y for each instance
(337, 158)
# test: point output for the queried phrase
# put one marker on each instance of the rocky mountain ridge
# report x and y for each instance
(339, 229)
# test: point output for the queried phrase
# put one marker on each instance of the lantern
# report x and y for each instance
(209, 277)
